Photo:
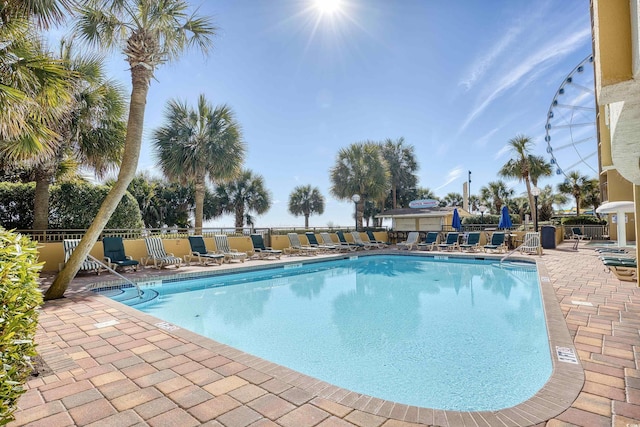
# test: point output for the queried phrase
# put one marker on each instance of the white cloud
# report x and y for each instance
(481, 65)
(530, 68)
(452, 175)
(483, 140)
(504, 150)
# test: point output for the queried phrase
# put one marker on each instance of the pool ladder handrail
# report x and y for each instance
(513, 251)
(92, 258)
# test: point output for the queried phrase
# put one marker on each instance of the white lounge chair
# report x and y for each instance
(69, 246)
(328, 241)
(222, 247)
(296, 247)
(412, 241)
(157, 255)
(531, 244)
(358, 241)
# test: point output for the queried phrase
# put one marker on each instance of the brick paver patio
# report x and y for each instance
(115, 366)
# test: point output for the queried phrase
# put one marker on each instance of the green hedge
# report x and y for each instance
(583, 219)
(71, 206)
(19, 300)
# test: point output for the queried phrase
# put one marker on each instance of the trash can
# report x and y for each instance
(548, 237)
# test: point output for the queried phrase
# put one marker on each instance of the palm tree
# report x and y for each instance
(495, 194)
(524, 166)
(591, 195)
(90, 132)
(194, 145)
(150, 34)
(453, 199)
(360, 169)
(575, 186)
(305, 200)
(402, 165)
(243, 195)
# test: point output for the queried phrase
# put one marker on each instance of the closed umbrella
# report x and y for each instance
(505, 219)
(455, 221)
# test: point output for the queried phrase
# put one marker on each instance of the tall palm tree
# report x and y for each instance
(453, 199)
(150, 33)
(244, 194)
(305, 200)
(402, 164)
(195, 145)
(592, 196)
(525, 166)
(360, 169)
(91, 131)
(575, 186)
(495, 194)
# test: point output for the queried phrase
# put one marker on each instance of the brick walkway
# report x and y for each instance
(115, 366)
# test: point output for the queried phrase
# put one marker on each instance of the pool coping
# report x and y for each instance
(558, 393)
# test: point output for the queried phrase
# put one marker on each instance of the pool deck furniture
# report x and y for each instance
(296, 247)
(115, 256)
(313, 242)
(141, 372)
(157, 255)
(69, 245)
(357, 239)
(372, 239)
(223, 247)
(473, 242)
(497, 243)
(200, 253)
(451, 242)
(261, 251)
(577, 235)
(531, 244)
(327, 240)
(343, 241)
(411, 243)
(430, 241)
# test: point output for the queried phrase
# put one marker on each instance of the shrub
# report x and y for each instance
(583, 219)
(20, 298)
(71, 206)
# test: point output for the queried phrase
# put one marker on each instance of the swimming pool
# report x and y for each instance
(447, 334)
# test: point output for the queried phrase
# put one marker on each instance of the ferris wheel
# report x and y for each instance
(571, 133)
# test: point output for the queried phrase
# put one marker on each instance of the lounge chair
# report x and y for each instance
(157, 255)
(531, 244)
(430, 241)
(497, 243)
(624, 272)
(200, 253)
(577, 236)
(69, 246)
(473, 242)
(114, 255)
(411, 243)
(343, 241)
(313, 242)
(358, 241)
(295, 246)
(261, 251)
(372, 239)
(328, 241)
(451, 242)
(222, 247)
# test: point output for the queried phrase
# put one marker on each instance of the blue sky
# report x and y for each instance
(456, 79)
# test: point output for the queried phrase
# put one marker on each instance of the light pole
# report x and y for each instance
(535, 192)
(356, 199)
(482, 209)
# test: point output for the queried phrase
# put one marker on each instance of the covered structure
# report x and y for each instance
(422, 219)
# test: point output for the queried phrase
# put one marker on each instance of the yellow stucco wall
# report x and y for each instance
(613, 40)
(52, 254)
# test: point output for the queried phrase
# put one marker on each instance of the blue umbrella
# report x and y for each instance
(455, 221)
(505, 219)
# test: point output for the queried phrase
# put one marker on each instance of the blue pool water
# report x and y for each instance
(445, 334)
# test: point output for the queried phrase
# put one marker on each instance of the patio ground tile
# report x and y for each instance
(190, 396)
(225, 385)
(213, 408)
(38, 413)
(66, 390)
(203, 376)
(272, 407)
(135, 398)
(92, 411)
(174, 417)
(304, 416)
(118, 388)
(242, 416)
(121, 419)
(154, 407)
(81, 398)
(247, 393)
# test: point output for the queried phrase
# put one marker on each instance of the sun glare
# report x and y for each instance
(327, 6)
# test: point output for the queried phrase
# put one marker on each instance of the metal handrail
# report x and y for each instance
(91, 257)
(514, 250)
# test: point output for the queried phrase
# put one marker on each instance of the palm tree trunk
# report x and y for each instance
(359, 213)
(393, 195)
(239, 218)
(140, 78)
(199, 214)
(306, 220)
(41, 199)
(532, 203)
